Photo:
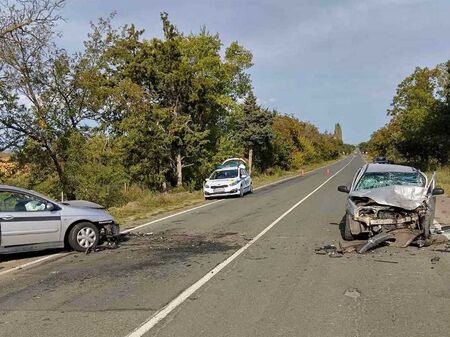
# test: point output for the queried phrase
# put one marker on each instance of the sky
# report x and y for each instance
(324, 61)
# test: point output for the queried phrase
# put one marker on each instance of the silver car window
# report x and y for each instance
(20, 202)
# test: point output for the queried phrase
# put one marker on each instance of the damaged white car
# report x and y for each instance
(389, 203)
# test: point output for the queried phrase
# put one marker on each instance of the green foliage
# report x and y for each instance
(338, 132)
(419, 129)
(297, 143)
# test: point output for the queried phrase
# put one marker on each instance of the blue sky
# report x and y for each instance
(325, 61)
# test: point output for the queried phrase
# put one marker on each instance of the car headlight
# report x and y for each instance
(207, 186)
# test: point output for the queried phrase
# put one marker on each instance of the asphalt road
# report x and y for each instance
(277, 286)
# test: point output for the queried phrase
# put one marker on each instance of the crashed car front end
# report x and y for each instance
(374, 218)
(399, 214)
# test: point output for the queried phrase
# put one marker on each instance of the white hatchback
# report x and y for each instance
(228, 181)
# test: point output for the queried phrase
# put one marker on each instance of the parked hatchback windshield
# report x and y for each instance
(227, 174)
(383, 179)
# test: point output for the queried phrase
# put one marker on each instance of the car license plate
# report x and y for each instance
(219, 190)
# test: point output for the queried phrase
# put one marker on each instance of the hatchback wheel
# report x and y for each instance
(83, 236)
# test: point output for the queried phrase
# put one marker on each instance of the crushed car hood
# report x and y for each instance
(83, 204)
(406, 197)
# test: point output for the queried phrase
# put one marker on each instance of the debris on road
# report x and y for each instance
(386, 261)
(330, 250)
(375, 241)
(353, 293)
(435, 259)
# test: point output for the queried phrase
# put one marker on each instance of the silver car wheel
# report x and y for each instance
(86, 237)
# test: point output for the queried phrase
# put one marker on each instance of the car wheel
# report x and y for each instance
(251, 189)
(83, 236)
(345, 231)
(241, 191)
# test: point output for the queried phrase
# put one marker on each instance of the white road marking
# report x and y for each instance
(161, 314)
(170, 216)
(217, 201)
(34, 262)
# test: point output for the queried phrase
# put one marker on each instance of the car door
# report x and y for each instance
(245, 178)
(431, 198)
(27, 219)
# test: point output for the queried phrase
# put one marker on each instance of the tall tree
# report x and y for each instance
(46, 96)
(338, 132)
(253, 127)
(188, 90)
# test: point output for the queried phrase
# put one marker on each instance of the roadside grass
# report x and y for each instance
(443, 178)
(147, 204)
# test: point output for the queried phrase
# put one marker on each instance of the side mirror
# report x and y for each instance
(438, 191)
(343, 189)
(49, 207)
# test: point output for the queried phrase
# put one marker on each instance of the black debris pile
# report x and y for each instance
(330, 250)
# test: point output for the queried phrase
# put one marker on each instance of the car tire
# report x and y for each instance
(251, 189)
(83, 236)
(241, 191)
(345, 230)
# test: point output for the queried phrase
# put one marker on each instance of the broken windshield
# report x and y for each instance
(382, 179)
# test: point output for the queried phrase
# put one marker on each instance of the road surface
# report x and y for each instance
(274, 286)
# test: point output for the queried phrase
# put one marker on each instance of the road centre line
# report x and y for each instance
(54, 256)
(172, 305)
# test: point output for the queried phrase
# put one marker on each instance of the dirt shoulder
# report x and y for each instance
(443, 210)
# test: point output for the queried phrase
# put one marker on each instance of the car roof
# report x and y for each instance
(389, 168)
(229, 168)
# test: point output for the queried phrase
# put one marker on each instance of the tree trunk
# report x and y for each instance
(179, 171)
(250, 160)
(70, 194)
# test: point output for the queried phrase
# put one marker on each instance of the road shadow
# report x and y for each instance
(27, 255)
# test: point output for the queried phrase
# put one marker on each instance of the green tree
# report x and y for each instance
(186, 90)
(45, 97)
(338, 132)
(253, 129)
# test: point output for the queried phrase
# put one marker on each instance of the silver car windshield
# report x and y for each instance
(227, 174)
(382, 179)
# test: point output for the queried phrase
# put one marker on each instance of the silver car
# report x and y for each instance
(30, 221)
(395, 199)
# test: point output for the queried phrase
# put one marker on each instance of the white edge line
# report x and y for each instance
(31, 263)
(221, 200)
(166, 310)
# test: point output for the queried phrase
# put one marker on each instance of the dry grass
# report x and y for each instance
(148, 204)
(443, 178)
